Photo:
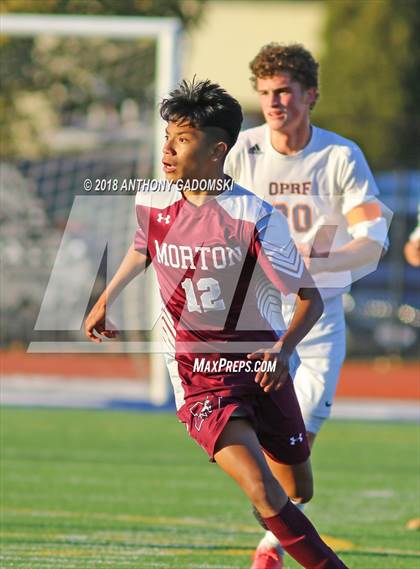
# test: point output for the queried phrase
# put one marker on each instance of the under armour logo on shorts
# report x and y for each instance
(297, 439)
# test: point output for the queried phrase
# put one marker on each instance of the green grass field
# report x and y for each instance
(83, 489)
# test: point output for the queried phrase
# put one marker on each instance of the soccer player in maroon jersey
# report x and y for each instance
(216, 252)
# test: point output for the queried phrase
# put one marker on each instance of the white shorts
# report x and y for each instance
(322, 354)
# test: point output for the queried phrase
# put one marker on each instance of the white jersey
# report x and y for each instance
(315, 189)
(415, 235)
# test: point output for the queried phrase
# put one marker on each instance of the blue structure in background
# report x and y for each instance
(383, 308)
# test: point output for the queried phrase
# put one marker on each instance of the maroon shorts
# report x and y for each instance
(275, 417)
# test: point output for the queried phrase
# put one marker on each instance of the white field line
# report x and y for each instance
(56, 391)
(336, 543)
(46, 551)
(152, 520)
(376, 409)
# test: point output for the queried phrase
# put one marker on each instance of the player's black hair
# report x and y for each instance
(204, 104)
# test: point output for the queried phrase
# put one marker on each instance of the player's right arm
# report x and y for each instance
(309, 308)
(280, 261)
(132, 265)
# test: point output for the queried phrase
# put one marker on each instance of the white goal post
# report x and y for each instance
(167, 32)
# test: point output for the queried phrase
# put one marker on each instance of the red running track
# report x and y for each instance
(378, 378)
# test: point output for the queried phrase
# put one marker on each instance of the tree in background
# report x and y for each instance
(370, 78)
(51, 82)
(188, 12)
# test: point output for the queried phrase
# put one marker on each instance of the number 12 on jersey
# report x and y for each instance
(209, 297)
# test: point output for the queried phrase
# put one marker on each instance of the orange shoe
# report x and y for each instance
(267, 558)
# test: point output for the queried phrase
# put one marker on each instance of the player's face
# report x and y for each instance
(187, 153)
(285, 103)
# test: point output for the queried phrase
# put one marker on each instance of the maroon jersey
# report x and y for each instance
(216, 265)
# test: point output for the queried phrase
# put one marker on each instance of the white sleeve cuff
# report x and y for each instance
(375, 229)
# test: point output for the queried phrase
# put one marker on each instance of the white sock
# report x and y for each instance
(270, 540)
(300, 506)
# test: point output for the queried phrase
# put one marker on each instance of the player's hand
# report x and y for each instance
(312, 263)
(272, 380)
(99, 323)
(305, 252)
(304, 249)
(412, 252)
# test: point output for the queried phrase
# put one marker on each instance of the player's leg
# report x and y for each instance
(239, 454)
(322, 354)
(295, 479)
(281, 433)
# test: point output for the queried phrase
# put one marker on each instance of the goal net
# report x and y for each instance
(80, 130)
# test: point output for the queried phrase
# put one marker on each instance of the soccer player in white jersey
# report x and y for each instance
(321, 182)
(214, 252)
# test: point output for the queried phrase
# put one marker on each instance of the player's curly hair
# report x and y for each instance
(204, 104)
(274, 58)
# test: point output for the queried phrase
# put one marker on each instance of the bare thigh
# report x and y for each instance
(239, 454)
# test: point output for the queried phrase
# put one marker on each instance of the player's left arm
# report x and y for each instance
(368, 229)
(365, 218)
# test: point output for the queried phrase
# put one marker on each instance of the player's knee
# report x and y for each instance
(303, 494)
(266, 495)
(300, 486)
